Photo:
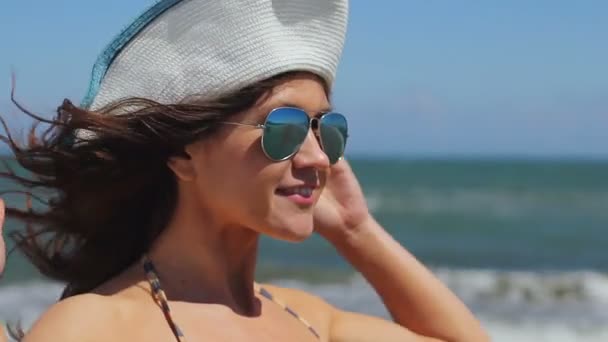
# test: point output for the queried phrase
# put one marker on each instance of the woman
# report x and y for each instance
(207, 124)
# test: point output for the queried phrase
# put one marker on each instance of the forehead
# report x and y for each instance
(302, 91)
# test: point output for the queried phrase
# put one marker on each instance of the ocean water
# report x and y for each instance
(523, 243)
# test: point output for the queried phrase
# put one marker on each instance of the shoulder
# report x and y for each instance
(339, 325)
(313, 308)
(296, 297)
(2, 334)
(84, 317)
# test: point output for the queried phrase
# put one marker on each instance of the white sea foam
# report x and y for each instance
(23, 303)
(543, 332)
(513, 306)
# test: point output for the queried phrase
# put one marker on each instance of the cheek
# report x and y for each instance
(241, 192)
(257, 187)
(237, 181)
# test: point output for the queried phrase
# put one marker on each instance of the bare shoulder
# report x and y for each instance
(312, 308)
(80, 318)
(299, 298)
(339, 325)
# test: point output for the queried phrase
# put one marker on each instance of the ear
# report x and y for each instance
(182, 165)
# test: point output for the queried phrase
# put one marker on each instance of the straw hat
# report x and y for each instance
(207, 48)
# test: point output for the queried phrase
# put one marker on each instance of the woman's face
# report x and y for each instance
(238, 185)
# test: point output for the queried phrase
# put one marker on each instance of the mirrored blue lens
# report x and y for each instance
(333, 130)
(284, 132)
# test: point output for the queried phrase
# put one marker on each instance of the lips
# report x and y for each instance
(304, 191)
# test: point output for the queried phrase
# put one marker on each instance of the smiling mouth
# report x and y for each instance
(303, 191)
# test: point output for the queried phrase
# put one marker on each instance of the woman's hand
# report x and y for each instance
(342, 208)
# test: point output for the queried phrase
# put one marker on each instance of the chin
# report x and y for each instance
(292, 230)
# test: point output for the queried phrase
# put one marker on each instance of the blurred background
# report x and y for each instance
(479, 134)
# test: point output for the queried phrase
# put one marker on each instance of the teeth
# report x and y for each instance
(306, 192)
(302, 191)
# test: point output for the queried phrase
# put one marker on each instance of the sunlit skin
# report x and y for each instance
(229, 194)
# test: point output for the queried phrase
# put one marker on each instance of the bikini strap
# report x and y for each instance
(262, 291)
(161, 299)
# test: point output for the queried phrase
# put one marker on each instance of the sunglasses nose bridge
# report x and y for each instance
(313, 126)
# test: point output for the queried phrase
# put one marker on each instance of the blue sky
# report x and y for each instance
(418, 78)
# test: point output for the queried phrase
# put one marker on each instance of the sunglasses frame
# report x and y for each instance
(315, 130)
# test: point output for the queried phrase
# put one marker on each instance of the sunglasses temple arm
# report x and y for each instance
(244, 124)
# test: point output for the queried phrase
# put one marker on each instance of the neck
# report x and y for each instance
(201, 261)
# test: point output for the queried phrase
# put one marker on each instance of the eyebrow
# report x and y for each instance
(323, 110)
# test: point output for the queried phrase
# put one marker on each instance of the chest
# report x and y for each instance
(220, 324)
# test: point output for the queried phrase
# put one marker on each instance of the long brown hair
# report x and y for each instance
(109, 191)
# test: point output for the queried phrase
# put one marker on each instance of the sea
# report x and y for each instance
(523, 242)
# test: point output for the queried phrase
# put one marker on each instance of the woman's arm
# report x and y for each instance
(416, 299)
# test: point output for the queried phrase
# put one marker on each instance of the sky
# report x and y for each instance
(418, 78)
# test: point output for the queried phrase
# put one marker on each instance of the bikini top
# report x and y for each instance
(161, 299)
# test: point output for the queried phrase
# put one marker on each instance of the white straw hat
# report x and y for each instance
(207, 48)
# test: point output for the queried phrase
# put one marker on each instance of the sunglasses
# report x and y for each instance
(286, 128)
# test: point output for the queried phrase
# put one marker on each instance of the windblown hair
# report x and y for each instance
(107, 193)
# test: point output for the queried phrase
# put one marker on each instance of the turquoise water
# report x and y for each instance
(523, 243)
(530, 215)
(482, 214)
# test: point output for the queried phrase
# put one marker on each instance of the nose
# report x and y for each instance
(311, 154)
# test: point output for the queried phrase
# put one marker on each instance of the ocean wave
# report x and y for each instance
(512, 305)
(498, 202)
(521, 287)
(25, 302)
(492, 288)
(501, 331)
(578, 299)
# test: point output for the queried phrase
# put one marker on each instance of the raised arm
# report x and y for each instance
(416, 299)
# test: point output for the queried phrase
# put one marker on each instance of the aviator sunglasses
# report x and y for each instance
(286, 128)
